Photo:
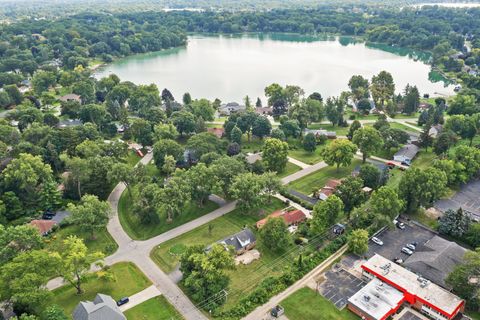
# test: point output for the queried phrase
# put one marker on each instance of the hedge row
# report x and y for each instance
(303, 203)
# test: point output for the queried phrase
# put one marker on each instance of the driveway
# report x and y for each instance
(140, 297)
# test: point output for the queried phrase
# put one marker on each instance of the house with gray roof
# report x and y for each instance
(406, 154)
(241, 242)
(231, 107)
(102, 308)
(436, 259)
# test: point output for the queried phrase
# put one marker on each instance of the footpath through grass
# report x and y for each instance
(140, 231)
(317, 179)
(306, 304)
(126, 280)
(157, 308)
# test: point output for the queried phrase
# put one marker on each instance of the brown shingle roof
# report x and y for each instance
(43, 226)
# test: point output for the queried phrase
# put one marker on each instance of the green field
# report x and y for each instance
(165, 255)
(289, 169)
(424, 159)
(140, 231)
(317, 179)
(157, 308)
(306, 304)
(297, 152)
(126, 280)
(103, 240)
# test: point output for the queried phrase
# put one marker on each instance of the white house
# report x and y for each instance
(406, 154)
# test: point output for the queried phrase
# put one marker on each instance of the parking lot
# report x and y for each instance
(339, 286)
(394, 240)
(467, 199)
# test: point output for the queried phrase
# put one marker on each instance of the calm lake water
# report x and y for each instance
(231, 67)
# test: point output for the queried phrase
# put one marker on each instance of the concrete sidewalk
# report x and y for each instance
(140, 297)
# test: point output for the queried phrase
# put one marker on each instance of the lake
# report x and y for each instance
(231, 67)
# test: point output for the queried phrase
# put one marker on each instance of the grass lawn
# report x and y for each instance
(359, 116)
(139, 231)
(424, 159)
(255, 144)
(407, 116)
(386, 154)
(103, 241)
(297, 152)
(166, 254)
(157, 308)
(289, 169)
(306, 304)
(395, 177)
(396, 125)
(132, 158)
(474, 315)
(341, 131)
(317, 179)
(126, 280)
(415, 124)
(421, 217)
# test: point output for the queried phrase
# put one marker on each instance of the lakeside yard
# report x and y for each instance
(126, 279)
(316, 180)
(141, 231)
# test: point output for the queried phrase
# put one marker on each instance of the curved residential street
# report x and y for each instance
(138, 252)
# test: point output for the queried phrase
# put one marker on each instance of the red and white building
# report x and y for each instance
(392, 285)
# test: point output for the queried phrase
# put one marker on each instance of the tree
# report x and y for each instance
(49, 197)
(202, 108)
(368, 141)
(42, 80)
(469, 157)
(15, 240)
(444, 142)
(258, 104)
(274, 93)
(124, 173)
(187, 99)
(385, 201)
(275, 154)
(236, 135)
(350, 192)
(165, 131)
(76, 262)
(426, 140)
(359, 87)
(455, 223)
(411, 99)
(309, 142)
(261, 127)
(274, 234)
(334, 109)
(204, 273)
(463, 104)
(23, 279)
(460, 279)
(141, 130)
(339, 152)
(278, 134)
(326, 213)
(233, 149)
(353, 128)
(175, 194)
(248, 189)
(225, 170)
(54, 312)
(79, 171)
(90, 214)
(146, 205)
(203, 143)
(169, 165)
(202, 183)
(290, 128)
(358, 241)
(382, 88)
(166, 147)
(421, 187)
(184, 121)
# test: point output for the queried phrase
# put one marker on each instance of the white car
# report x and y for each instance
(407, 251)
(411, 246)
(377, 241)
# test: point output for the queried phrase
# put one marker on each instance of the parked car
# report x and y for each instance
(122, 301)
(277, 311)
(377, 241)
(398, 260)
(400, 225)
(411, 247)
(407, 251)
(47, 215)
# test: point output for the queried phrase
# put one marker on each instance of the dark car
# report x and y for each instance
(48, 215)
(122, 301)
(277, 311)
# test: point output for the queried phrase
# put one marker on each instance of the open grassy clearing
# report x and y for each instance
(289, 169)
(297, 152)
(103, 240)
(317, 179)
(424, 159)
(306, 304)
(140, 231)
(341, 131)
(126, 280)
(157, 308)
(166, 254)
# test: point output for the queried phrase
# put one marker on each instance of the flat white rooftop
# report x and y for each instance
(415, 285)
(377, 299)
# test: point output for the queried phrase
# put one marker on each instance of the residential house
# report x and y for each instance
(253, 157)
(293, 217)
(219, 132)
(231, 107)
(103, 307)
(264, 111)
(320, 132)
(329, 189)
(71, 97)
(435, 130)
(43, 226)
(406, 154)
(241, 242)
